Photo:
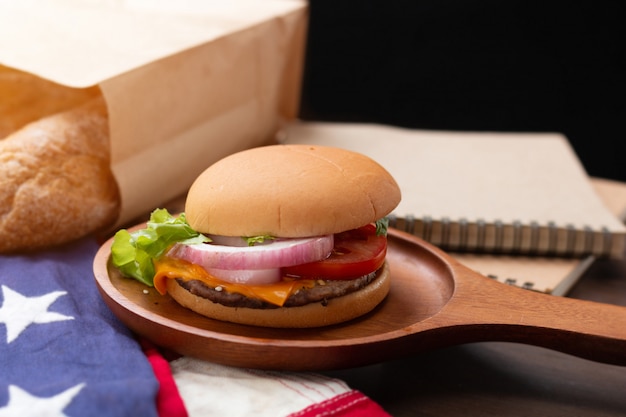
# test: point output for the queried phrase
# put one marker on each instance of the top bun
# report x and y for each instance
(290, 191)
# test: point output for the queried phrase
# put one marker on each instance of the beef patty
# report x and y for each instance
(322, 291)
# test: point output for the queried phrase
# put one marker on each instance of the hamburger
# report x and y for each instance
(276, 236)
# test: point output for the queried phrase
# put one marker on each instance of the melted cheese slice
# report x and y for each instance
(169, 268)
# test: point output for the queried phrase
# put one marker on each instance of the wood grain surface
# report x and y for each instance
(434, 302)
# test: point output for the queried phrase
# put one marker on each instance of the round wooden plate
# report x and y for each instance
(434, 301)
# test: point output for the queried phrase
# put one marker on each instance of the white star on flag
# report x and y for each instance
(18, 311)
(24, 404)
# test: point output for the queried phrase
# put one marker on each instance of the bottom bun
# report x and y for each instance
(336, 310)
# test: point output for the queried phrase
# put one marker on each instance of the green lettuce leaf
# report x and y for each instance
(132, 252)
(381, 226)
(253, 240)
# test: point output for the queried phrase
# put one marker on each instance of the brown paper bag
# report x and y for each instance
(186, 83)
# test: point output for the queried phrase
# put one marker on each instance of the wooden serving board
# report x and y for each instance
(434, 302)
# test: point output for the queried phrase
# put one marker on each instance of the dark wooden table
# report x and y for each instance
(504, 379)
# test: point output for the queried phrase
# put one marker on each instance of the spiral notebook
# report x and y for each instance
(552, 275)
(496, 193)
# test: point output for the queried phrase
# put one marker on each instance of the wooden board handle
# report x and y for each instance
(586, 329)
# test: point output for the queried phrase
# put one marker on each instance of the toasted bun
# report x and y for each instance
(290, 191)
(337, 310)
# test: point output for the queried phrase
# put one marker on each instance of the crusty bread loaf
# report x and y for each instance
(56, 183)
(290, 191)
(335, 310)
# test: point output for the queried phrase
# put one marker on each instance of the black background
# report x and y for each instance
(474, 65)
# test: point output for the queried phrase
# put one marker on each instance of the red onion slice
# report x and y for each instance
(247, 276)
(277, 254)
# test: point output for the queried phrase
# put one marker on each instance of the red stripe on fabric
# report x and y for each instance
(169, 402)
(350, 404)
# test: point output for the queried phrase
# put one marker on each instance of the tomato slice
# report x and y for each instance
(356, 253)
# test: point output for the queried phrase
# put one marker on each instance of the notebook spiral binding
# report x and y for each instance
(500, 237)
(527, 285)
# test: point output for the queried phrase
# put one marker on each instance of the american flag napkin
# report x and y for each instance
(63, 353)
(236, 392)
